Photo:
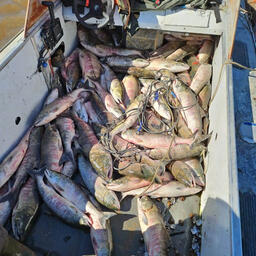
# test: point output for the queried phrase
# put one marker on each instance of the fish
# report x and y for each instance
(71, 70)
(151, 85)
(103, 50)
(30, 161)
(59, 205)
(165, 75)
(94, 116)
(201, 78)
(125, 62)
(141, 170)
(131, 87)
(190, 108)
(152, 226)
(154, 123)
(12, 161)
(86, 138)
(51, 148)
(173, 66)
(6, 205)
(160, 105)
(66, 128)
(101, 109)
(166, 49)
(174, 189)
(101, 161)
(79, 108)
(100, 228)
(170, 189)
(128, 183)
(90, 65)
(57, 107)
(25, 210)
(198, 171)
(154, 140)
(109, 76)
(184, 77)
(177, 152)
(53, 95)
(204, 96)
(103, 36)
(183, 173)
(182, 52)
(205, 52)
(117, 90)
(132, 114)
(108, 101)
(10, 246)
(141, 72)
(194, 64)
(96, 185)
(69, 169)
(182, 128)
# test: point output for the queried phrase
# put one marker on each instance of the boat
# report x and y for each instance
(24, 87)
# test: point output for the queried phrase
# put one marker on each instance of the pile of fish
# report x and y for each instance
(128, 123)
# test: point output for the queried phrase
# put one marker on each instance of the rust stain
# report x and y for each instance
(35, 10)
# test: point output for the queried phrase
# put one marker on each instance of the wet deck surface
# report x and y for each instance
(12, 19)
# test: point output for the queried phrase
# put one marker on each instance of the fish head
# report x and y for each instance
(146, 203)
(110, 199)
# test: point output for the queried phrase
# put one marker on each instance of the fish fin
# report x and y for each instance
(36, 172)
(199, 139)
(66, 157)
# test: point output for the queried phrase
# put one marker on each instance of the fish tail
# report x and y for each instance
(35, 172)
(67, 156)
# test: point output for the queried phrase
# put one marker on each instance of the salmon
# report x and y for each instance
(205, 52)
(25, 210)
(190, 108)
(131, 87)
(205, 96)
(184, 77)
(141, 72)
(125, 62)
(30, 161)
(96, 185)
(59, 205)
(12, 161)
(166, 49)
(51, 148)
(58, 106)
(89, 64)
(182, 52)
(152, 227)
(69, 169)
(108, 101)
(66, 128)
(128, 183)
(201, 78)
(154, 140)
(132, 115)
(173, 66)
